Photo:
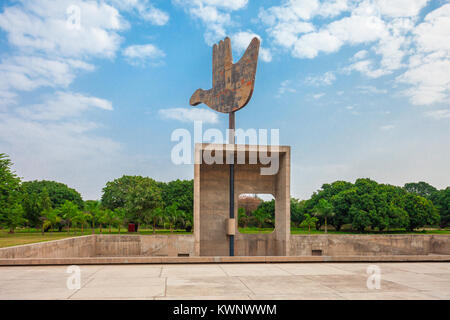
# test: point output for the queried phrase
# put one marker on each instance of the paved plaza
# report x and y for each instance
(229, 281)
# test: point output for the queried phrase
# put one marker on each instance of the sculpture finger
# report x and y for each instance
(215, 64)
(228, 55)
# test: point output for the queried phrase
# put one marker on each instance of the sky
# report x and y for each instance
(92, 90)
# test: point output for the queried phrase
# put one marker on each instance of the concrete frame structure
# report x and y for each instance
(212, 225)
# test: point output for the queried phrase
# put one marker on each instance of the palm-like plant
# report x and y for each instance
(51, 218)
(68, 211)
(101, 218)
(173, 215)
(308, 222)
(82, 218)
(325, 210)
(119, 217)
(92, 207)
(156, 215)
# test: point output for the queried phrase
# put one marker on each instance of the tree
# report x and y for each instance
(297, 211)
(101, 218)
(261, 216)
(116, 193)
(13, 216)
(421, 212)
(58, 192)
(249, 203)
(110, 218)
(68, 212)
(82, 218)
(308, 222)
(324, 209)
(142, 199)
(51, 217)
(119, 217)
(179, 191)
(360, 218)
(242, 218)
(11, 212)
(421, 188)
(92, 207)
(172, 215)
(441, 199)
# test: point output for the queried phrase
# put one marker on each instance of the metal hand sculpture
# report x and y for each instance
(232, 83)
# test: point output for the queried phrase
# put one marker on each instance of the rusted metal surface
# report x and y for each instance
(232, 83)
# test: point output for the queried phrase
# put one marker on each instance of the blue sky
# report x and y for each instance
(357, 88)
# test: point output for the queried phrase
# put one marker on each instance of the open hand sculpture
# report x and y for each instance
(232, 83)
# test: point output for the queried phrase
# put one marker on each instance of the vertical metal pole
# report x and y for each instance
(231, 141)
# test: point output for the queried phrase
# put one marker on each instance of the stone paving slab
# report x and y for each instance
(224, 281)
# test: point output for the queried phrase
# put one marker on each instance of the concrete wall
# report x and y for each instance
(246, 245)
(105, 246)
(148, 245)
(211, 202)
(65, 248)
(369, 245)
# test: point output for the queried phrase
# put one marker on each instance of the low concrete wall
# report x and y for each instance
(148, 245)
(249, 245)
(369, 245)
(65, 248)
(105, 246)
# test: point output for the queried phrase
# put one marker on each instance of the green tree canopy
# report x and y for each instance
(421, 188)
(11, 211)
(58, 192)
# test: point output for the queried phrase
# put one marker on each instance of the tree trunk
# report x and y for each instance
(109, 228)
(11, 230)
(154, 227)
(326, 230)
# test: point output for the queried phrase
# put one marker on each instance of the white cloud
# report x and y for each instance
(390, 30)
(371, 89)
(429, 68)
(144, 9)
(56, 139)
(43, 25)
(318, 95)
(366, 67)
(285, 86)
(387, 127)
(25, 73)
(439, 114)
(143, 54)
(63, 105)
(189, 115)
(325, 79)
(400, 8)
(360, 55)
(214, 14)
(241, 40)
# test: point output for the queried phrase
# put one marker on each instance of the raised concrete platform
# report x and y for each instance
(272, 281)
(212, 260)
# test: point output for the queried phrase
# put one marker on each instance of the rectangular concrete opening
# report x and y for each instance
(256, 213)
